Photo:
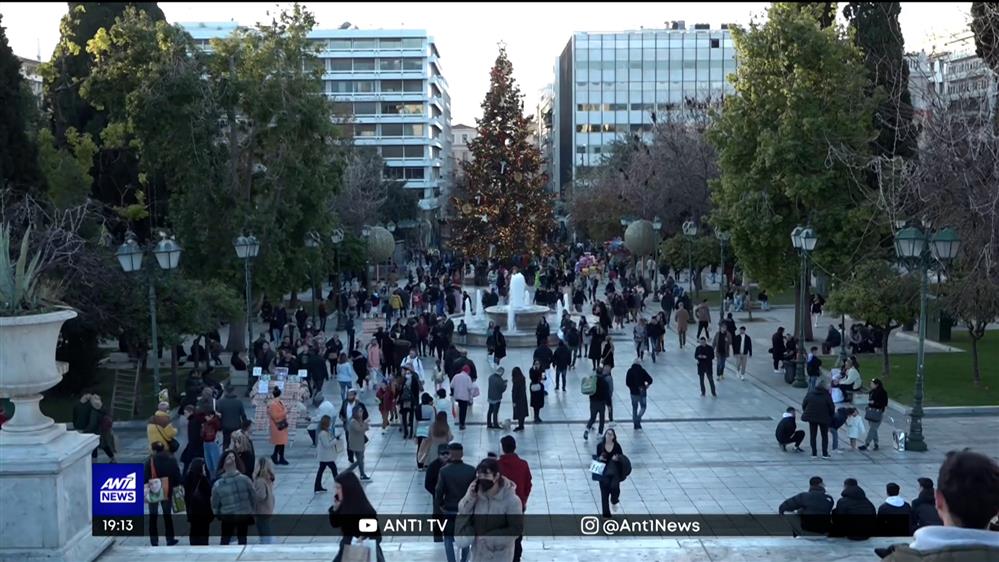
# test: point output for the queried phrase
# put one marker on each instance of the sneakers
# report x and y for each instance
(616, 507)
(862, 447)
(875, 446)
(586, 434)
(319, 491)
(742, 377)
(365, 478)
(826, 457)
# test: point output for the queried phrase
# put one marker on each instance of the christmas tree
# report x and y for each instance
(503, 204)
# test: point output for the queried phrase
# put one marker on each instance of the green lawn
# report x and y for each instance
(948, 378)
(776, 299)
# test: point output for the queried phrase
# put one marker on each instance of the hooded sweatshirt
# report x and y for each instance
(894, 517)
(949, 544)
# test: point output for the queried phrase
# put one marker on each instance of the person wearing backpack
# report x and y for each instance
(598, 401)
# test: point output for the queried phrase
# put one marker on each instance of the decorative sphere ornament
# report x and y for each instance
(381, 244)
(466, 208)
(518, 176)
(640, 238)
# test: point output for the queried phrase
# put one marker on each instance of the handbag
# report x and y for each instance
(359, 551)
(179, 503)
(157, 489)
(281, 425)
(873, 415)
(337, 444)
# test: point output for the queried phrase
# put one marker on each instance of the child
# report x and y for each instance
(855, 428)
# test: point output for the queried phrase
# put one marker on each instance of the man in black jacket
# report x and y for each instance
(452, 485)
(318, 373)
(924, 507)
(818, 410)
(894, 514)
(742, 347)
(562, 358)
(788, 432)
(598, 402)
(430, 481)
(704, 355)
(165, 466)
(854, 514)
(638, 381)
(813, 507)
(230, 410)
(544, 355)
(813, 368)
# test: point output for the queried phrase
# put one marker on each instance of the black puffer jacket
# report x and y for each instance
(814, 507)
(854, 516)
(818, 407)
(924, 510)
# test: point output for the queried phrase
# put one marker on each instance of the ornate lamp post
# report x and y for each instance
(690, 231)
(723, 238)
(337, 238)
(167, 253)
(804, 240)
(247, 248)
(916, 247)
(657, 225)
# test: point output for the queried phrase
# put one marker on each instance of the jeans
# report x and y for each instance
(263, 523)
(154, 509)
(720, 366)
(358, 462)
(560, 373)
(835, 437)
(462, 413)
(492, 416)
(344, 387)
(705, 372)
(636, 415)
(872, 432)
(212, 454)
(812, 429)
(812, 381)
(596, 408)
(319, 474)
(234, 524)
(449, 541)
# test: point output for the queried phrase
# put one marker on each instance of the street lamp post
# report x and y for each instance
(312, 243)
(690, 231)
(337, 238)
(167, 253)
(365, 232)
(803, 239)
(657, 225)
(247, 248)
(723, 238)
(916, 246)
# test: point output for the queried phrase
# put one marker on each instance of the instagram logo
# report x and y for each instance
(589, 525)
(367, 525)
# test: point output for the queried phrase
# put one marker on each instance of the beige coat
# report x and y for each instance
(494, 536)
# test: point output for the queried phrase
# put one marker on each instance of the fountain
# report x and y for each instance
(519, 316)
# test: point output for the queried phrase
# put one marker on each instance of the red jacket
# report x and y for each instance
(517, 470)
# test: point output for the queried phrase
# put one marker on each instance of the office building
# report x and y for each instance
(608, 84)
(391, 84)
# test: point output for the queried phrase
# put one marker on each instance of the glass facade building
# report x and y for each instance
(391, 85)
(609, 84)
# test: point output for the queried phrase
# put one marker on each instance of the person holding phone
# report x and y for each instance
(491, 513)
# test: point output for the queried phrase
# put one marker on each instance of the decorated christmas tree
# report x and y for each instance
(503, 209)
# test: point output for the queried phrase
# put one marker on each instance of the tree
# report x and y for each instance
(877, 33)
(878, 294)
(116, 177)
(18, 155)
(67, 170)
(678, 252)
(506, 205)
(800, 89)
(667, 176)
(974, 301)
(368, 197)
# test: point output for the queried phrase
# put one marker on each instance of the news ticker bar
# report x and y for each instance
(418, 525)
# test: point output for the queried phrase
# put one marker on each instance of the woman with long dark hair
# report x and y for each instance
(350, 505)
(198, 497)
(519, 395)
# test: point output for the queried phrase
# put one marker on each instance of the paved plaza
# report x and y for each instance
(695, 455)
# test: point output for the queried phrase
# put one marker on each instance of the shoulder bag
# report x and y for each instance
(873, 415)
(157, 489)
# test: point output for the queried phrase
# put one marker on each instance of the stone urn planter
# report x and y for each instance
(28, 368)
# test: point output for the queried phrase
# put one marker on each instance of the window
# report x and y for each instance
(464, 139)
(364, 86)
(391, 129)
(342, 108)
(340, 44)
(365, 108)
(390, 64)
(364, 65)
(414, 173)
(340, 65)
(365, 43)
(391, 43)
(392, 151)
(412, 130)
(412, 85)
(342, 86)
(365, 130)
(580, 149)
(413, 151)
(715, 43)
(399, 108)
(412, 64)
(391, 85)
(434, 151)
(412, 42)
(313, 64)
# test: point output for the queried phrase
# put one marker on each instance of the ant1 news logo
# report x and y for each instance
(117, 489)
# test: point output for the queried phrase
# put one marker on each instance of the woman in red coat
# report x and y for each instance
(278, 416)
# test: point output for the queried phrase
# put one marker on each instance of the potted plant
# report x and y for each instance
(30, 320)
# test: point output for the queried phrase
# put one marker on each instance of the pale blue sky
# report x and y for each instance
(467, 33)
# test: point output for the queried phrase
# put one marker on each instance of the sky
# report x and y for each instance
(468, 33)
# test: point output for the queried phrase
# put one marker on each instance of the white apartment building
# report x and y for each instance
(391, 84)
